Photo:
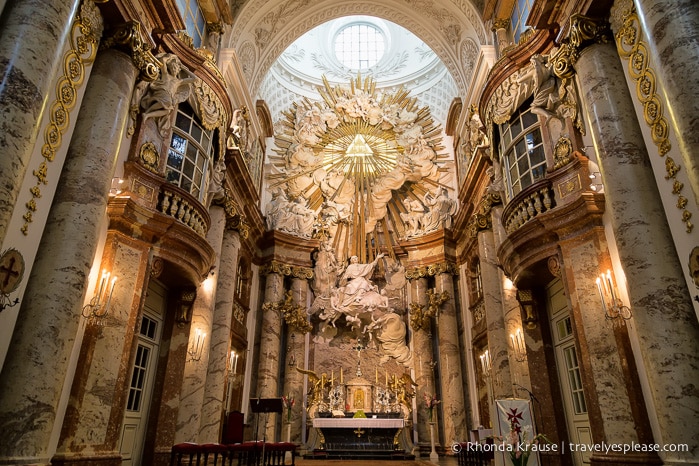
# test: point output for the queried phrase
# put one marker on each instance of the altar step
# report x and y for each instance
(356, 454)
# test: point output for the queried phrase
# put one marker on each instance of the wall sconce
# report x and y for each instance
(184, 307)
(486, 363)
(526, 300)
(612, 305)
(196, 349)
(595, 185)
(98, 307)
(117, 186)
(519, 347)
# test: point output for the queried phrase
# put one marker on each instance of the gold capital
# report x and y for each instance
(127, 38)
(583, 31)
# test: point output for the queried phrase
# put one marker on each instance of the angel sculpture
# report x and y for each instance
(161, 97)
(317, 385)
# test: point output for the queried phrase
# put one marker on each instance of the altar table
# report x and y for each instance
(360, 438)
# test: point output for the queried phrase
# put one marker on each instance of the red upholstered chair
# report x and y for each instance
(218, 451)
(191, 451)
(275, 453)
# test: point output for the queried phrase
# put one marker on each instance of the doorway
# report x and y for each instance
(568, 368)
(142, 375)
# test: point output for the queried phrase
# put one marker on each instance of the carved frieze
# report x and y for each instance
(432, 270)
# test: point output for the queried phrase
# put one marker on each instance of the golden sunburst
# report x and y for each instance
(354, 157)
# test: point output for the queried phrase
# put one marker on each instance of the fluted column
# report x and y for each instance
(672, 28)
(48, 320)
(270, 343)
(33, 34)
(494, 317)
(423, 355)
(663, 316)
(450, 364)
(215, 389)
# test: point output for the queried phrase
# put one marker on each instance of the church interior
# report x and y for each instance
(434, 230)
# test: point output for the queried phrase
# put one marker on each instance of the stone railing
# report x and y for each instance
(183, 208)
(535, 200)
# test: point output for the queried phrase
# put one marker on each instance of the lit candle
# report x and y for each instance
(109, 299)
(611, 288)
(103, 282)
(601, 295)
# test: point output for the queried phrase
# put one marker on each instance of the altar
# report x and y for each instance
(371, 437)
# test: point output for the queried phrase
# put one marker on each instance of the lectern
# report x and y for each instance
(266, 406)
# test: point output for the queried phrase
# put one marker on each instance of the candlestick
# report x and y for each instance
(611, 288)
(601, 295)
(332, 378)
(387, 378)
(376, 377)
(341, 381)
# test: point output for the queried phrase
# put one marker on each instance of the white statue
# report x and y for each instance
(325, 270)
(390, 331)
(440, 210)
(161, 97)
(414, 212)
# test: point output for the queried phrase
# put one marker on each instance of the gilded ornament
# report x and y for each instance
(563, 152)
(149, 156)
(677, 187)
(671, 168)
(632, 46)
(85, 33)
(583, 31)
(295, 316)
(128, 38)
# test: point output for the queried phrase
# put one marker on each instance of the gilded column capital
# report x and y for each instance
(583, 31)
(481, 219)
(304, 273)
(432, 270)
(500, 23)
(127, 38)
(235, 218)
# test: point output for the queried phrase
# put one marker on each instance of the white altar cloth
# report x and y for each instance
(357, 422)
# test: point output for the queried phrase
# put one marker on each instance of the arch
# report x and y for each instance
(265, 29)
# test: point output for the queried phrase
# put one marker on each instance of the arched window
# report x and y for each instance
(521, 151)
(189, 156)
(359, 46)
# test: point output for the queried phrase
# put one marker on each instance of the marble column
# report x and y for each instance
(423, 355)
(502, 38)
(450, 364)
(269, 356)
(192, 425)
(293, 379)
(48, 320)
(189, 414)
(498, 338)
(663, 316)
(617, 413)
(213, 409)
(92, 427)
(32, 37)
(673, 31)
